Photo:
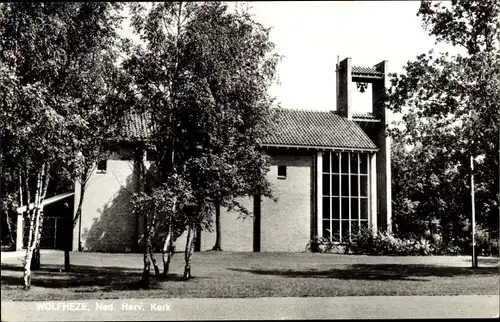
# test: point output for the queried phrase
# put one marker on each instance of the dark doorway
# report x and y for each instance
(57, 227)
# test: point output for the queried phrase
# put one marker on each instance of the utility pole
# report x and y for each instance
(473, 208)
(1, 167)
(1, 186)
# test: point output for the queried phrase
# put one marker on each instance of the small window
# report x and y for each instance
(101, 166)
(282, 172)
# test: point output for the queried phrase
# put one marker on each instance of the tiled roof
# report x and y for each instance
(136, 126)
(365, 115)
(318, 129)
(292, 128)
(366, 71)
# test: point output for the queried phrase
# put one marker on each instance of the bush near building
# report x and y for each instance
(384, 243)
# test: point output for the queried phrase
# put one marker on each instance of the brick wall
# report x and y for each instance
(109, 225)
(236, 232)
(286, 224)
(107, 221)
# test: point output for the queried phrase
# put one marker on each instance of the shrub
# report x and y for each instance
(383, 243)
(324, 245)
(485, 245)
(369, 243)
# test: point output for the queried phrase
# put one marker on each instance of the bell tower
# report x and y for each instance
(374, 124)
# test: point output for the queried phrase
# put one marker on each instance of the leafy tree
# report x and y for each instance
(56, 64)
(233, 60)
(203, 75)
(161, 205)
(450, 107)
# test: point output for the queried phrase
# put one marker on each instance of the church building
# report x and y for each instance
(330, 172)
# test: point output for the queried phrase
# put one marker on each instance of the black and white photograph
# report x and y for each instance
(261, 160)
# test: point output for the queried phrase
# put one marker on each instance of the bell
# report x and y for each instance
(362, 86)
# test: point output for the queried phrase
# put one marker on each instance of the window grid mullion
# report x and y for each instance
(340, 196)
(368, 189)
(359, 192)
(330, 198)
(349, 191)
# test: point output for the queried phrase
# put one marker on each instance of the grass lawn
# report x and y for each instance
(236, 275)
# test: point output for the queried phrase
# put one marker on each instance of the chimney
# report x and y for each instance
(344, 88)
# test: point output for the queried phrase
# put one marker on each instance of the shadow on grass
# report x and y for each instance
(379, 272)
(90, 278)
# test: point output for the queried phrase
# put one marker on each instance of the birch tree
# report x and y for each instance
(234, 63)
(202, 73)
(55, 64)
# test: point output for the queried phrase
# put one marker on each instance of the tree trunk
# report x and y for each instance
(67, 260)
(19, 230)
(36, 261)
(30, 250)
(27, 188)
(36, 222)
(3, 211)
(141, 173)
(29, 254)
(168, 249)
(80, 203)
(148, 250)
(189, 251)
(256, 222)
(217, 245)
(8, 225)
(151, 233)
(147, 262)
(153, 260)
(67, 247)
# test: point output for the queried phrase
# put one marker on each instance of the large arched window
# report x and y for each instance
(344, 193)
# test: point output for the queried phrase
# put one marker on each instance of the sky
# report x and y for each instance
(311, 34)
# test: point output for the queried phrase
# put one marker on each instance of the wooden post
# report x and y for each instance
(197, 241)
(1, 185)
(473, 209)
(218, 232)
(256, 223)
